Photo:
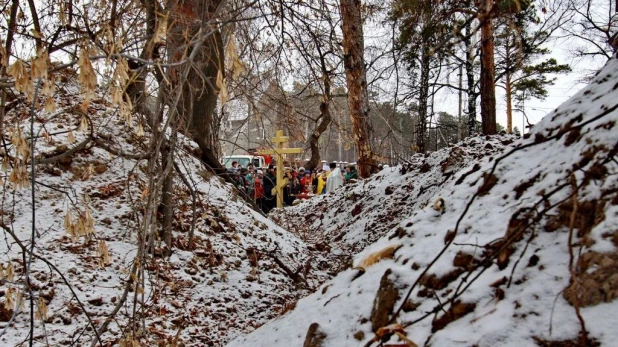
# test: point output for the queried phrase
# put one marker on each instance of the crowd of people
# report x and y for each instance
(299, 183)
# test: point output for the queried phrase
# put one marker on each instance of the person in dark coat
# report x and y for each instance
(351, 175)
(270, 181)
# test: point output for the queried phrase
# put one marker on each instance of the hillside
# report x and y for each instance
(89, 206)
(495, 241)
(517, 248)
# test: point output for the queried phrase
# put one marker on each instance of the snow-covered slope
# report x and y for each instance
(229, 283)
(359, 214)
(518, 249)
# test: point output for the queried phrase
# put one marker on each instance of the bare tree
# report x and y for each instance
(595, 28)
(354, 62)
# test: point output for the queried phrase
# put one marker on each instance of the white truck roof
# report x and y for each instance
(243, 160)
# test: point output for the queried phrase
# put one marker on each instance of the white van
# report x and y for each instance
(244, 160)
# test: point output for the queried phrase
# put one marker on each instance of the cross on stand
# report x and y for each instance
(279, 139)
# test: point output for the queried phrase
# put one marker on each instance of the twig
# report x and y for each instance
(25, 250)
(184, 180)
(457, 293)
(574, 279)
(33, 202)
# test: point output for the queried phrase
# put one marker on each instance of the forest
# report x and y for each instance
(120, 221)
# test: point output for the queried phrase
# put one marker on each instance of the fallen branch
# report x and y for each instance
(293, 275)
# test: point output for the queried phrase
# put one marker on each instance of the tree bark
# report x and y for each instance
(470, 82)
(507, 87)
(323, 120)
(354, 63)
(36, 25)
(12, 25)
(166, 207)
(199, 92)
(135, 91)
(488, 71)
(422, 101)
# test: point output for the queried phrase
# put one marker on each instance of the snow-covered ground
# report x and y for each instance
(497, 241)
(508, 249)
(228, 284)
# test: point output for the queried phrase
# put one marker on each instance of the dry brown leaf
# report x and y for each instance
(125, 113)
(50, 105)
(140, 130)
(116, 95)
(10, 272)
(41, 313)
(385, 253)
(238, 67)
(83, 124)
(39, 65)
(161, 31)
(389, 329)
(9, 298)
(87, 75)
(121, 73)
(87, 173)
(36, 34)
(20, 74)
(222, 89)
(104, 257)
(71, 137)
(49, 88)
(4, 60)
(6, 165)
(405, 339)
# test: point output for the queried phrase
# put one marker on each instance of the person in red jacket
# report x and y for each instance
(258, 189)
(307, 182)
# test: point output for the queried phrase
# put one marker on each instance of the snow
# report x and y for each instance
(230, 284)
(207, 295)
(533, 306)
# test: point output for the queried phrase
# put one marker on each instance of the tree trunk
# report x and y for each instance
(508, 86)
(166, 207)
(509, 107)
(354, 63)
(488, 92)
(135, 91)
(470, 82)
(323, 120)
(423, 96)
(12, 24)
(198, 89)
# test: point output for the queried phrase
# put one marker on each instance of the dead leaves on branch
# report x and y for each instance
(21, 76)
(237, 69)
(19, 176)
(81, 225)
(237, 66)
(87, 76)
(39, 65)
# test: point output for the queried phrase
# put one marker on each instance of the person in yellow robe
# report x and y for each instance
(322, 181)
